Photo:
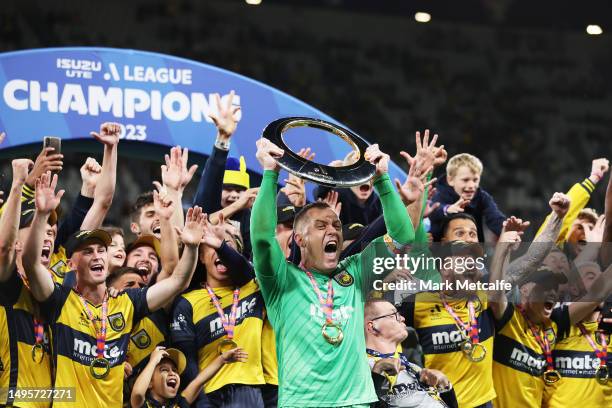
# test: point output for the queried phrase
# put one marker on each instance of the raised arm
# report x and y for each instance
(399, 226)
(543, 243)
(175, 177)
(600, 290)
(191, 392)
(9, 222)
(141, 385)
(508, 241)
(46, 200)
(169, 251)
(163, 292)
(106, 179)
(579, 194)
(267, 254)
(208, 195)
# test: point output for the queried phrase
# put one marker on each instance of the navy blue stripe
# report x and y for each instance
(81, 347)
(577, 364)
(204, 327)
(447, 338)
(517, 356)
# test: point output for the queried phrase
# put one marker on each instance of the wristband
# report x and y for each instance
(598, 175)
(222, 144)
(444, 209)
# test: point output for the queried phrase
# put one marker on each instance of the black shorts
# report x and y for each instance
(237, 396)
(270, 395)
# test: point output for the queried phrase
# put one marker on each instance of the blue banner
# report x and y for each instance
(160, 99)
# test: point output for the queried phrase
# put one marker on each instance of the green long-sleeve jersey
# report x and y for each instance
(312, 372)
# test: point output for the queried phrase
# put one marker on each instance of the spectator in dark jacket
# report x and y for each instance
(359, 204)
(459, 191)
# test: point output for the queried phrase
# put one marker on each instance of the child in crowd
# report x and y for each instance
(459, 192)
(159, 382)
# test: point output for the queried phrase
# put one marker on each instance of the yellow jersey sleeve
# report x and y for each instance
(579, 194)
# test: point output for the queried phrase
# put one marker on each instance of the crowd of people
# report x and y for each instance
(256, 297)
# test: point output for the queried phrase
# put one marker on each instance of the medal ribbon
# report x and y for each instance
(228, 324)
(38, 331)
(542, 341)
(472, 328)
(327, 305)
(100, 334)
(602, 353)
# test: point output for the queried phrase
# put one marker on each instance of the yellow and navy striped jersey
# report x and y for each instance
(74, 344)
(518, 358)
(195, 323)
(178, 402)
(17, 368)
(268, 353)
(577, 363)
(579, 196)
(147, 334)
(441, 340)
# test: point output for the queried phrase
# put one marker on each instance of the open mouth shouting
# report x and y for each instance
(45, 255)
(221, 268)
(97, 269)
(156, 229)
(331, 250)
(144, 267)
(172, 383)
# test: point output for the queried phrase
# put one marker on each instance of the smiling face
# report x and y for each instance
(465, 182)
(319, 235)
(230, 194)
(165, 381)
(144, 258)
(116, 253)
(90, 262)
(147, 222)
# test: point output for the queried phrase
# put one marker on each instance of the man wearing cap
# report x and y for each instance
(528, 332)
(91, 330)
(24, 341)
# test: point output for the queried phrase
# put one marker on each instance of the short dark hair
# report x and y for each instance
(142, 200)
(456, 216)
(317, 205)
(119, 272)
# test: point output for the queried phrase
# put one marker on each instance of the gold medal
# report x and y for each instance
(35, 348)
(477, 353)
(602, 375)
(226, 345)
(467, 347)
(99, 368)
(551, 376)
(333, 340)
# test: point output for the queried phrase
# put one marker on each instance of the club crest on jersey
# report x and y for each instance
(344, 278)
(141, 339)
(58, 268)
(550, 335)
(116, 321)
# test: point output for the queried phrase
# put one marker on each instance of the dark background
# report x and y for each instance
(517, 83)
